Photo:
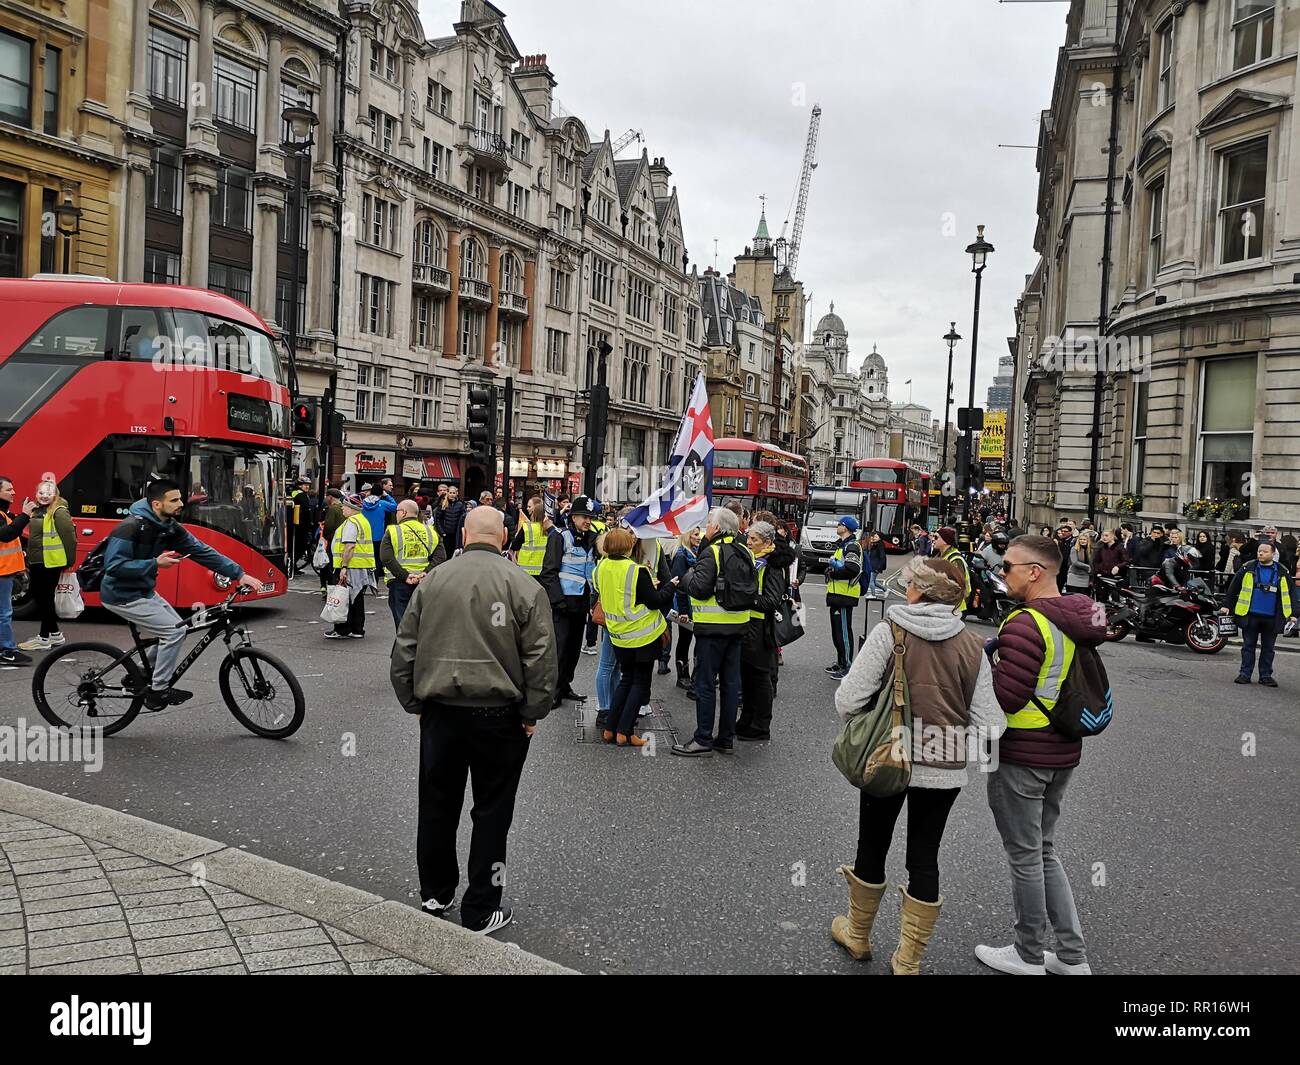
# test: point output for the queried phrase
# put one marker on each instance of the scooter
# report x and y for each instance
(1190, 616)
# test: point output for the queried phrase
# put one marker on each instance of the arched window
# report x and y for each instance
(511, 274)
(428, 249)
(471, 259)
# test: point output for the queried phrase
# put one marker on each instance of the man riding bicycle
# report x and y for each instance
(149, 540)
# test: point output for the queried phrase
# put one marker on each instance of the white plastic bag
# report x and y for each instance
(68, 603)
(335, 611)
(320, 559)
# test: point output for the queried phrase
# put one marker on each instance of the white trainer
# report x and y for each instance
(1007, 960)
(1062, 968)
(36, 643)
(56, 638)
(645, 711)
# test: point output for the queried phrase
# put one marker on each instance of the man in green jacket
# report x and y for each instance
(475, 659)
(329, 526)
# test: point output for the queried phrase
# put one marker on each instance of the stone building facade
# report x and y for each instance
(60, 143)
(1202, 367)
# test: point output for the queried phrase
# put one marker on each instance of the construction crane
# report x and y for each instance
(627, 138)
(788, 251)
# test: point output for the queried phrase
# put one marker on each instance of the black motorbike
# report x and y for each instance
(988, 600)
(1189, 616)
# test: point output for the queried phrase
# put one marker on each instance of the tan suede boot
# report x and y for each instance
(915, 927)
(854, 931)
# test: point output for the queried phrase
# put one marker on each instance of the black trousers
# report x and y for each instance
(842, 634)
(569, 626)
(927, 814)
(635, 675)
(489, 747)
(356, 617)
(684, 637)
(757, 690)
(592, 631)
(43, 582)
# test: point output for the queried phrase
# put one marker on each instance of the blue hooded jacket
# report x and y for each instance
(373, 508)
(130, 557)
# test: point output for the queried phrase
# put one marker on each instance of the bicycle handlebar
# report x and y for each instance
(221, 608)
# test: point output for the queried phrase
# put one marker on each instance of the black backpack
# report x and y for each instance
(736, 587)
(90, 574)
(1086, 704)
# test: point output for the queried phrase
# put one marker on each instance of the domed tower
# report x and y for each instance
(834, 338)
(875, 375)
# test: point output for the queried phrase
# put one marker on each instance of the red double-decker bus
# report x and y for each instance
(760, 476)
(903, 494)
(108, 386)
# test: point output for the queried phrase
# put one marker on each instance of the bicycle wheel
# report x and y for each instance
(82, 686)
(264, 695)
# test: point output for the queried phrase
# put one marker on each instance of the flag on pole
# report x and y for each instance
(687, 493)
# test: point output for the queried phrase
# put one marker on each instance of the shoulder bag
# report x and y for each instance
(873, 751)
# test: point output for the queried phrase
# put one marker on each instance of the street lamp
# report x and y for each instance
(951, 340)
(979, 253)
(301, 122)
(67, 217)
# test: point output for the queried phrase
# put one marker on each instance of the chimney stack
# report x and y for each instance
(536, 83)
(659, 175)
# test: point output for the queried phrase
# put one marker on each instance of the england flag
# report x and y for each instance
(687, 493)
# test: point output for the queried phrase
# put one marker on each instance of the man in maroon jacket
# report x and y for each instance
(1035, 761)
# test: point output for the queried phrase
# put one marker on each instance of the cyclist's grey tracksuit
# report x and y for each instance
(131, 576)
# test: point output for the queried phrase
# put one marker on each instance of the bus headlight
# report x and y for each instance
(221, 581)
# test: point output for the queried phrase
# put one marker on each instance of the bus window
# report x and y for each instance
(25, 383)
(76, 331)
(138, 337)
(236, 490)
(116, 473)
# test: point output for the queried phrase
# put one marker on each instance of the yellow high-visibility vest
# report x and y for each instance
(710, 611)
(1242, 606)
(533, 550)
(363, 553)
(411, 543)
(758, 615)
(1058, 656)
(957, 559)
(53, 553)
(629, 623)
(838, 586)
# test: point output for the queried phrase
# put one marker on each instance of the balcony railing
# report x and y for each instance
(512, 303)
(426, 275)
(489, 148)
(473, 289)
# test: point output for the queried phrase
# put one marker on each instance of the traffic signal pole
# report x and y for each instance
(597, 416)
(507, 429)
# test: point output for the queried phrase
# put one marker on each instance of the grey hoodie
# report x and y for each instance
(929, 621)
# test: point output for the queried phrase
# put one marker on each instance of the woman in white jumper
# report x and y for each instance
(950, 687)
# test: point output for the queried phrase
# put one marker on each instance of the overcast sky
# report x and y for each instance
(915, 95)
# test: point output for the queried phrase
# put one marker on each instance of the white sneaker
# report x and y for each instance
(1007, 960)
(589, 650)
(645, 711)
(1061, 968)
(36, 643)
(56, 638)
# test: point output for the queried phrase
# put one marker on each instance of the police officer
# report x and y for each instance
(843, 589)
(409, 549)
(945, 546)
(566, 575)
(1262, 598)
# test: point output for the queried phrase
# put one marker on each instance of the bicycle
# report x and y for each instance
(100, 686)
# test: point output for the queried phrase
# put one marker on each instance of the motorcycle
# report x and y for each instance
(988, 600)
(1189, 616)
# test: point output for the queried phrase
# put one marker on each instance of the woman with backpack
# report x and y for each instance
(950, 686)
(51, 549)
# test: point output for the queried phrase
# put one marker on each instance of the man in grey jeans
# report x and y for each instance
(149, 540)
(1035, 762)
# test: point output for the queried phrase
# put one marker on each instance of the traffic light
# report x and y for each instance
(482, 421)
(304, 418)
